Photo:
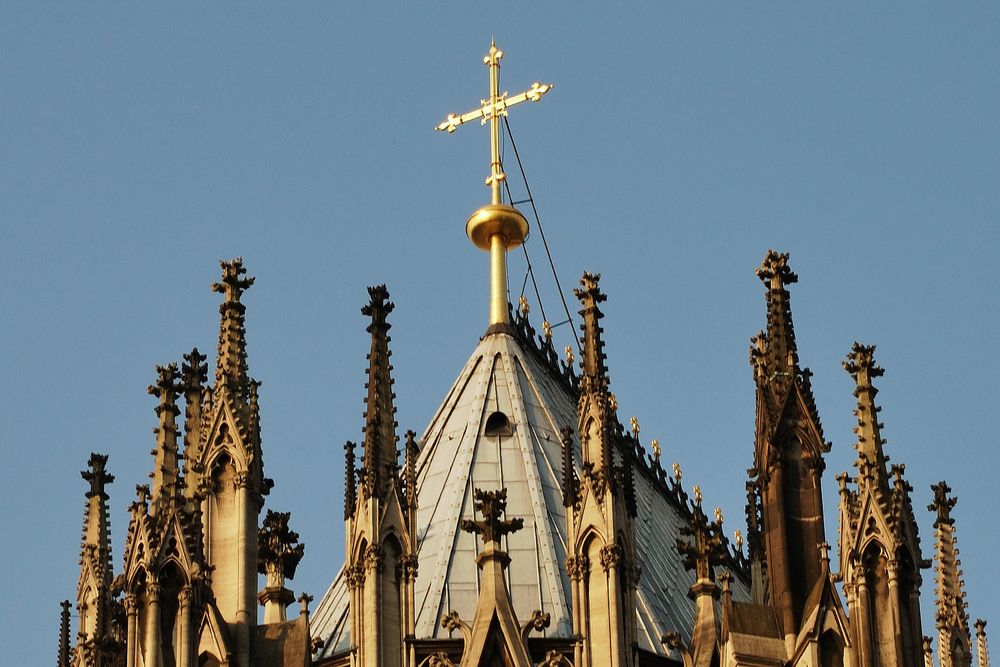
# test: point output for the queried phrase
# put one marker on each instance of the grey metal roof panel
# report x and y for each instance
(457, 457)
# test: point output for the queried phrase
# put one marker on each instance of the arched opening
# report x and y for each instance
(222, 532)
(883, 640)
(498, 424)
(792, 476)
(909, 611)
(598, 621)
(88, 612)
(831, 650)
(390, 603)
(206, 659)
(141, 619)
(171, 583)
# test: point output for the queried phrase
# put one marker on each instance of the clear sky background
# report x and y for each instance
(139, 144)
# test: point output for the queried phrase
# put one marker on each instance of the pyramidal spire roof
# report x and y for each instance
(499, 426)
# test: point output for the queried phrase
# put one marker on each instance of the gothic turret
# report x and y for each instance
(600, 507)
(954, 639)
(879, 547)
(93, 592)
(381, 536)
(788, 458)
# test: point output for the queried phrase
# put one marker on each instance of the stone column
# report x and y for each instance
(610, 557)
(185, 648)
(892, 569)
(131, 636)
(152, 653)
(864, 627)
(242, 619)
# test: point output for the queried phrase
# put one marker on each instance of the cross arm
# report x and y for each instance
(499, 107)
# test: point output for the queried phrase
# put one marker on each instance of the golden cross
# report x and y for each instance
(492, 109)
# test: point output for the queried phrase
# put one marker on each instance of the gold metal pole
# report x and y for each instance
(496, 227)
(498, 281)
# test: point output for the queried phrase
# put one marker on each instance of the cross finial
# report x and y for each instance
(496, 227)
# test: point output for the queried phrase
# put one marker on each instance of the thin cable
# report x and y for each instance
(545, 243)
(530, 272)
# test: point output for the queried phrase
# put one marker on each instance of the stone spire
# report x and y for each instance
(781, 355)
(231, 366)
(194, 375)
(954, 640)
(982, 650)
(94, 586)
(788, 457)
(381, 460)
(166, 468)
(595, 383)
(96, 521)
(594, 361)
(278, 553)
(871, 459)
(64, 634)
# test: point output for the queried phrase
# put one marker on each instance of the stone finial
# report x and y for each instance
(278, 548)
(928, 651)
(97, 476)
(491, 504)
(707, 547)
(678, 473)
(634, 424)
(233, 283)
(304, 601)
(774, 270)
(942, 503)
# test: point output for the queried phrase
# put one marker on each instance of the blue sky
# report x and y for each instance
(142, 143)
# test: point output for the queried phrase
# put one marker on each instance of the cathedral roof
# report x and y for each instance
(499, 427)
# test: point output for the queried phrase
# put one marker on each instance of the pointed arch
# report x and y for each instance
(875, 561)
(222, 519)
(390, 601)
(171, 579)
(831, 649)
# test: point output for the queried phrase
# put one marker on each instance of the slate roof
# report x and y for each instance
(508, 373)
